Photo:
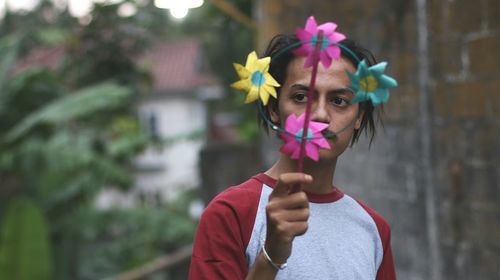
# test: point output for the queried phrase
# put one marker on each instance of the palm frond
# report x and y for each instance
(9, 48)
(72, 106)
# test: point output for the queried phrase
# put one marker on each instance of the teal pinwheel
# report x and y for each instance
(370, 83)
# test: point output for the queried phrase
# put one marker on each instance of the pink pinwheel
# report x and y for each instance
(309, 37)
(293, 137)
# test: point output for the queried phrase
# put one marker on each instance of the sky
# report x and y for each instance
(77, 8)
(80, 8)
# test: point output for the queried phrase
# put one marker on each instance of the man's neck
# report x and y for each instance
(322, 172)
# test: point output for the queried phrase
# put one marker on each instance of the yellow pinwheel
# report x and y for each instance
(255, 79)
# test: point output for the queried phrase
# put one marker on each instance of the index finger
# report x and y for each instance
(287, 180)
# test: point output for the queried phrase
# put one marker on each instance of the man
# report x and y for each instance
(261, 230)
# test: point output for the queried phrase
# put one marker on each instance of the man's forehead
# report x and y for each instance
(296, 73)
(296, 66)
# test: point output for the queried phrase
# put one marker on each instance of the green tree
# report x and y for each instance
(226, 41)
(67, 133)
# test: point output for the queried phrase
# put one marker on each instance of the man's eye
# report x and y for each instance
(300, 97)
(339, 101)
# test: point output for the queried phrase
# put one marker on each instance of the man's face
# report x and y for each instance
(331, 103)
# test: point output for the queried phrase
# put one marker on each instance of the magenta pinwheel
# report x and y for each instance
(294, 127)
(309, 38)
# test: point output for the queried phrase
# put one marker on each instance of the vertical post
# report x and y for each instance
(425, 124)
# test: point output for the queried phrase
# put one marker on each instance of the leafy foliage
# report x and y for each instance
(65, 134)
(70, 132)
(226, 41)
(83, 103)
(121, 239)
(25, 253)
(106, 48)
(8, 53)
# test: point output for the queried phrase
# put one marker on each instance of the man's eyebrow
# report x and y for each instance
(334, 91)
(300, 86)
(341, 91)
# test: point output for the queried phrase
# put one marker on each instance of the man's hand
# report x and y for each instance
(287, 215)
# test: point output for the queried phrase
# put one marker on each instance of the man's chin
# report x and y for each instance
(327, 156)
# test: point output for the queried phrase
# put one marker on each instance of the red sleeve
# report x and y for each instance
(224, 230)
(386, 270)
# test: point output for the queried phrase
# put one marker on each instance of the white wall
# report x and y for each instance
(172, 168)
(178, 161)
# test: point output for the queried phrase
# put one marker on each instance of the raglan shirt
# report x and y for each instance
(345, 238)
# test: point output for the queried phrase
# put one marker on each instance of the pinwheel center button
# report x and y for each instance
(368, 84)
(300, 134)
(258, 78)
(324, 41)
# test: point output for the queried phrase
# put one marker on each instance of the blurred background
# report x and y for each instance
(117, 127)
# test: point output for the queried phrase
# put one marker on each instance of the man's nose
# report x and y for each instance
(320, 112)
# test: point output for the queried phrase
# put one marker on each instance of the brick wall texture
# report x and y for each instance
(464, 53)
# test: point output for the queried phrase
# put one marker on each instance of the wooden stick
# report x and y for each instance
(310, 97)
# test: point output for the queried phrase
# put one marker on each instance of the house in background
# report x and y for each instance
(175, 113)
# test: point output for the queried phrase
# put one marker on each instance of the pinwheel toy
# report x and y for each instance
(255, 79)
(318, 43)
(309, 36)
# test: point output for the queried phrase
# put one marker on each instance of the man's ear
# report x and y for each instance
(274, 114)
(359, 120)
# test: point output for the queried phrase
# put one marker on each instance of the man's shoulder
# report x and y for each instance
(381, 223)
(372, 212)
(234, 210)
(239, 196)
(251, 187)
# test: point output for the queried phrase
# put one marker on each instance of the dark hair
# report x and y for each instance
(281, 53)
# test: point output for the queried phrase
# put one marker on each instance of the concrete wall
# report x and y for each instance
(463, 129)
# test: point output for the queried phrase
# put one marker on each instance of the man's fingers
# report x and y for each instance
(293, 229)
(295, 215)
(291, 201)
(287, 180)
